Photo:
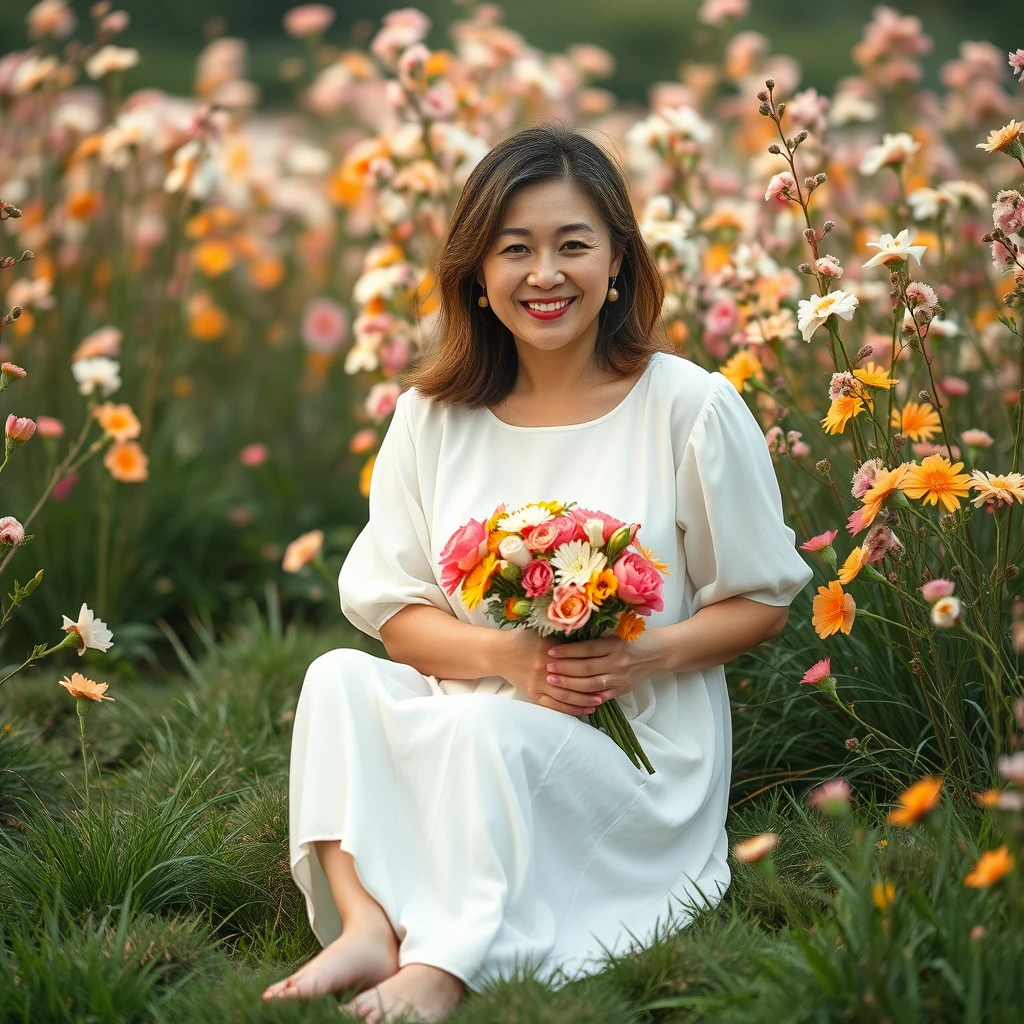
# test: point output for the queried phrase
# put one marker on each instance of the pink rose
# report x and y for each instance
(466, 546)
(548, 536)
(581, 515)
(569, 608)
(639, 583)
(538, 577)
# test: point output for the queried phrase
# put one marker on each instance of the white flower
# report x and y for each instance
(111, 58)
(1011, 767)
(513, 549)
(528, 515)
(594, 529)
(575, 562)
(98, 372)
(893, 149)
(946, 612)
(91, 631)
(896, 249)
(538, 619)
(813, 312)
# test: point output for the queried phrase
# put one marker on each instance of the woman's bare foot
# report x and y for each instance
(363, 955)
(420, 991)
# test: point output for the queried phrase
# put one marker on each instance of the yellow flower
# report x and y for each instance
(741, 367)
(364, 476)
(118, 421)
(85, 689)
(207, 321)
(1000, 490)
(652, 558)
(875, 376)
(127, 462)
(882, 895)
(833, 610)
(1004, 140)
(935, 480)
(213, 257)
(917, 801)
(853, 564)
(917, 420)
(630, 627)
(475, 585)
(840, 412)
(602, 585)
(991, 866)
(887, 482)
(499, 513)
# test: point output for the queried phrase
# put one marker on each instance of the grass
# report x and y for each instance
(170, 899)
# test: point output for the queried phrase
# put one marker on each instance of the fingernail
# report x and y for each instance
(552, 679)
(597, 700)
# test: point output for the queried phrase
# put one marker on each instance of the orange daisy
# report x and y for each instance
(603, 585)
(991, 866)
(937, 479)
(882, 894)
(887, 483)
(853, 564)
(917, 420)
(917, 801)
(652, 558)
(833, 610)
(213, 257)
(475, 585)
(741, 367)
(85, 689)
(1004, 140)
(127, 462)
(875, 376)
(118, 421)
(840, 412)
(630, 626)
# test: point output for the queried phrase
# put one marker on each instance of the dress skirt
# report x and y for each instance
(501, 837)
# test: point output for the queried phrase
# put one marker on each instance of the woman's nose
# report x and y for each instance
(545, 273)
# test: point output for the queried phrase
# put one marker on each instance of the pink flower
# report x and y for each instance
(955, 387)
(879, 542)
(976, 438)
(395, 353)
(545, 536)
(19, 429)
(49, 427)
(466, 546)
(828, 266)
(324, 326)
(920, 294)
(935, 589)
(781, 187)
(721, 318)
(380, 402)
(570, 607)
(1017, 63)
(62, 488)
(823, 540)
(104, 341)
(362, 440)
(538, 576)
(308, 20)
(818, 671)
(714, 12)
(1008, 211)
(611, 524)
(864, 477)
(832, 797)
(253, 454)
(639, 583)
(11, 531)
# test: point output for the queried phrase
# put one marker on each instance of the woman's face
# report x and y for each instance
(552, 249)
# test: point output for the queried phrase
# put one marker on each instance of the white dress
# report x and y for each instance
(498, 834)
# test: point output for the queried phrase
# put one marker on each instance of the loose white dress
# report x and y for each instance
(498, 834)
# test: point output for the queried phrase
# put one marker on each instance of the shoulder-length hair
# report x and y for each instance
(474, 363)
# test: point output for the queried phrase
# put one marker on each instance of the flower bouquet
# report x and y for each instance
(564, 572)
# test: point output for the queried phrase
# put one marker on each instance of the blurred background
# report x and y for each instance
(648, 37)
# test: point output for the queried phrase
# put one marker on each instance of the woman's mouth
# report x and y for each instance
(550, 310)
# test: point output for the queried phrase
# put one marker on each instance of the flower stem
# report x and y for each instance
(85, 761)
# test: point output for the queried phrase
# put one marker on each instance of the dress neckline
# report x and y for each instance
(634, 390)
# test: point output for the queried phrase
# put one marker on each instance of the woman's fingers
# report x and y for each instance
(573, 684)
(548, 701)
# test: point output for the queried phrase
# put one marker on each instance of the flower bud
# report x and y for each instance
(510, 572)
(804, 268)
(864, 351)
(770, 82)
(781, 109)
(764, 109)
(824, 467)
(829, 225)
(774, 149)
(762, 95)
(924, 396)
(617, 541)
(852, 744)
(810, 236)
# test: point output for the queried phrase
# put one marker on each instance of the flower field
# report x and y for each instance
(205, 308)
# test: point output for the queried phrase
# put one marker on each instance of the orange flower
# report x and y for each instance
(603, 585)
(266, 272)
(302, 550)
(917, 801)
(495, 537)
(213, 257)
(991, 866)
(916, 420)
(207, 322)
(743, 365)
(882, 894)
(840, 412)
(475, 585)
(754, 849)
(630, 627)
(84, 689)
(875, 376)
(118, 421)
(935, 480)
(364, 476)
(83, 205)
(127, 462)
(887, 482)
(652, 558)
(833, 610)
(853, 564)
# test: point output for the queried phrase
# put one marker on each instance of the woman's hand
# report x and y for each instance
(524, 663)
(605, 668)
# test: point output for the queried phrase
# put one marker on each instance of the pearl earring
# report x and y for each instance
(483, 302)
(613, 295)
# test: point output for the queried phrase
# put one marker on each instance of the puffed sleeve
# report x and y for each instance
(736, 541)
(389, 565)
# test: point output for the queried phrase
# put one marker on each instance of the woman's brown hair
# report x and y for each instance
(475, 361)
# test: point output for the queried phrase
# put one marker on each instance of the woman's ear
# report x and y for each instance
(480, 278)
(616, 265)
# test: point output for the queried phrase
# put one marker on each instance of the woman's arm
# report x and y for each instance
(438, 644)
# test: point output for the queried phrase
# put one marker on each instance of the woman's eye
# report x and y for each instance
(519, 245)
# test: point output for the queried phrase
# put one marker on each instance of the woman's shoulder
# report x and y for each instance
(684, 387)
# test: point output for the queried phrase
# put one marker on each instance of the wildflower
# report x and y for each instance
(51, 18)
(917, 801)
(99, 372)
(1008, 211)
(818, 672)
(880, 542)
(253, 454)
(127, 462)
(937, 479)
(85, 689)
(828, 266)
(832, 797)
(916, 420)
(994, 491)
(934, 589)
(1004, 800)
(118, 421)
(864, 477)
(740, 367)
(308, 20)
(89, 631)
(362, 440)
(782, 186)
(213, 257)
(1017, 63)
(302, 550)
(714, 12)
(975, 438)
(991, 866)
(1011, 767)
(874, 376)
(921, 296)
(751, 850)
(840, 412)
(887, 482)
(48, 426)
(946, 612)
(109, 58)
(813, 312)
(9, 372)
(894, 250)
(855, 561)
(104, 341)
(820, 542)
(1005, 140)
(833, 610)
(324, 326)
(882, 895)
(892, 151)
(17, 430)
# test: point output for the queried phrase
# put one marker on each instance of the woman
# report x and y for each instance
(452, 817)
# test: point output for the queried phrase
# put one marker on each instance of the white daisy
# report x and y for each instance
(528, 515)
(893, 250)
(538, 619)
(813, 312)
(100, 372)
(92, 631)
(575, 562)
(893, 149)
